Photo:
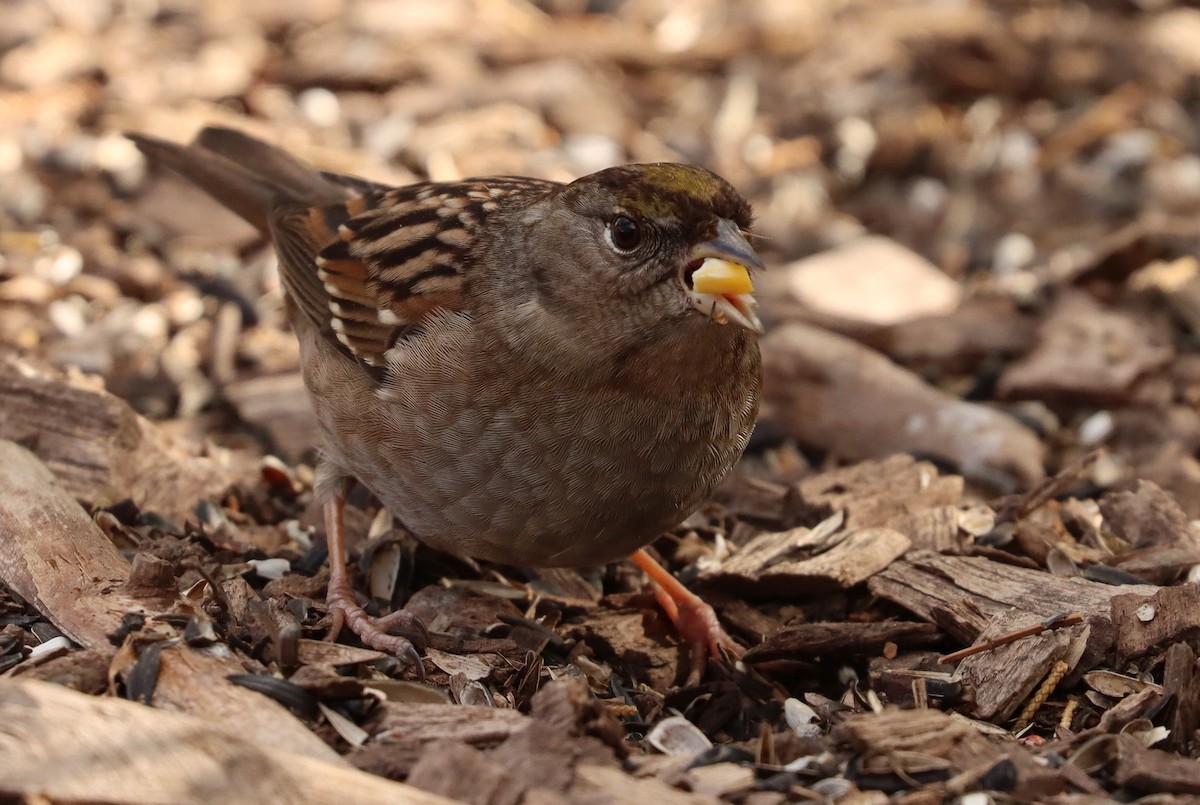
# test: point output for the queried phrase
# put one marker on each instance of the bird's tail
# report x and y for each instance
(244, 174)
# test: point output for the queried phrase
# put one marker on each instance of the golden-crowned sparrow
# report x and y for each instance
(522, 371)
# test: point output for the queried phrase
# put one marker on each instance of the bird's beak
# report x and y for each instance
(717, 278)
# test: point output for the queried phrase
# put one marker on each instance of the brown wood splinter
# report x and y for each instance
(1055, 622)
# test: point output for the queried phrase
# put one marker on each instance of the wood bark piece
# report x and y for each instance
(464, 774)
(1147, 516)
(1150, 624)
(69, 747)
(1159, 565)
(566, 583)
(596, 783)
(1181, 681)
(1004, 638)
(1131, 708)
(963, 594)
(833, 393)
(625, 636)
(54, 557)
(100, 450)
(906, 743)
(934, 529)
(839, 639)
(322, 652)
(872, 280)
(721, 779)
(768, 565)
(897, 492)
(980, 327)
(1165, 542)
(1003, 679)
(1154, 771)
(411, 724)
(902, 683)
(754, 499)
(1087, 353)
(546, 756)
(567, 728)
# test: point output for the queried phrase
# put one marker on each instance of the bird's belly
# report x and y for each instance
(548, 483)
(520, 469)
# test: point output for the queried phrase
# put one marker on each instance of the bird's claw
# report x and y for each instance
(400, 634)
(701, 632)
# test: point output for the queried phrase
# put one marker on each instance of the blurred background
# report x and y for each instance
(1030, 169)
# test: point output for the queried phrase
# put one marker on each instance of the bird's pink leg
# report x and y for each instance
(695, 620)
(344, 610)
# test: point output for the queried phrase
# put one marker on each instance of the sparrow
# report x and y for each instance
(523, 371)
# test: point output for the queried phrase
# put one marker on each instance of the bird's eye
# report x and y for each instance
(624, 233)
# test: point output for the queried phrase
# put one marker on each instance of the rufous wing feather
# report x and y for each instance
(397, 258)
(364, 263)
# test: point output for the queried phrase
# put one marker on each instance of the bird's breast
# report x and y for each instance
(501, 460)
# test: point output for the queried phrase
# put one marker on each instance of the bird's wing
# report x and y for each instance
(384, 261)
(363, 262)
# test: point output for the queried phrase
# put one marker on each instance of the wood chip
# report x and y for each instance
(412, 724)
(835, 394)
(929, 585)
(55, 557)
(1146, 625)
(842, 639)
(71, 747)
(765, 566)
(101, 451)
(1087, 353)
(1155, 772)
(871, 280)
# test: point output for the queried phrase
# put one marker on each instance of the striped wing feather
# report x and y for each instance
(386, 259)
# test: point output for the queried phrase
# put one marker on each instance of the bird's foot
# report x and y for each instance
(694, 619)
(400, 634)
(701, 632)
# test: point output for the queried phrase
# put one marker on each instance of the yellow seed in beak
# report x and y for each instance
(721, 278)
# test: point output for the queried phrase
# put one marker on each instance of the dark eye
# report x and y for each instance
(625, 233)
